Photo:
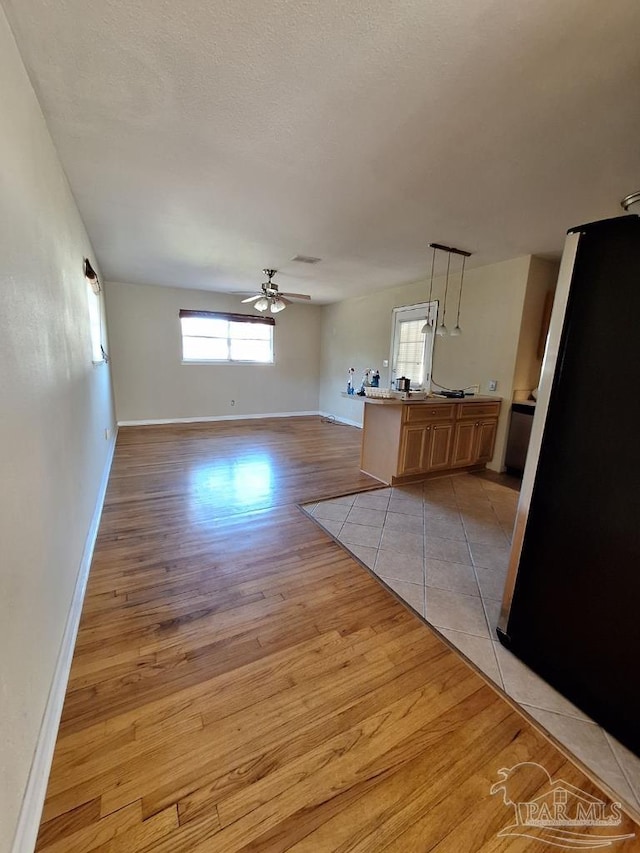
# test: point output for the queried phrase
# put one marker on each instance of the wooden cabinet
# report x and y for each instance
(464, 441)
(412, 450)
(439, 447)
(486, 440)
(475, 433)
(425, 448)
(473, 442)
(407, 441)
(421, 412)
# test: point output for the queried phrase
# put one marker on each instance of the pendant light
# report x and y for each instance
(441, 331)
(428, 326)
(456, 331)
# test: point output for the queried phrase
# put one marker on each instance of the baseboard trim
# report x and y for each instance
(340, 420)
(33, 801)
(208, 419)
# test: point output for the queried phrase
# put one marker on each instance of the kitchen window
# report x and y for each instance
(411, 349)
(219, 337)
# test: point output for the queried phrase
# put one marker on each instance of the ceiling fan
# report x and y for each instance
(270, 296)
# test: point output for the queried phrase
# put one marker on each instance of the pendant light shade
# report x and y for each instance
(427, 329)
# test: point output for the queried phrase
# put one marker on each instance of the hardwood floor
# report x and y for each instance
(241, 683)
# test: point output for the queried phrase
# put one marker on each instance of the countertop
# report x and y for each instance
(395, 401)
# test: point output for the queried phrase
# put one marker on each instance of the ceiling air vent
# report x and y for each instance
(306, 259)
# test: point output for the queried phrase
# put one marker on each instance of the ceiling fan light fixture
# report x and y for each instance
(270, 296)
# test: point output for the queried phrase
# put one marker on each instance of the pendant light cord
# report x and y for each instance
(460, 294)
(446, 388)
(433, 263)
(446, 290)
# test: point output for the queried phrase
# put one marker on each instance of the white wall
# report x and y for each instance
(55, 408)
(542, 279)
(151, 383)
(357, 333)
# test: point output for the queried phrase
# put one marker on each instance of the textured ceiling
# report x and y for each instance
(206, 139)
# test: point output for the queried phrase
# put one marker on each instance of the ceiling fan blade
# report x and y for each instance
(253, 298)
(281, 297)
(296, 295)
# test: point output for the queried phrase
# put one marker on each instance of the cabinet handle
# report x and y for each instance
(477, 423)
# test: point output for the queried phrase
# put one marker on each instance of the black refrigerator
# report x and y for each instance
(571, 608)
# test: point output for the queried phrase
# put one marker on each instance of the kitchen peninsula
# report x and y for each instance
(408, 440)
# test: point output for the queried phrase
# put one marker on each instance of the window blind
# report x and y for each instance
(229, 317)
(410, 358)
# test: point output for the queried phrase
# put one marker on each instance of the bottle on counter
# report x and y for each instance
(350, 388)
(366, 382)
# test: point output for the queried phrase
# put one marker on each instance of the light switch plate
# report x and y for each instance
(385, 362)
(492, 384)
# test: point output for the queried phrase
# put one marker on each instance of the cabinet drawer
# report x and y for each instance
(478, 410)
(428, 412)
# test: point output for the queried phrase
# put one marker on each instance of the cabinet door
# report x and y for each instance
(412, 450)
(464, 444)
(486, 440)
(439, 447)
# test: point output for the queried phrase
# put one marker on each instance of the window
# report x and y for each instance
(94, 302)
(95, 324)
(411, 349)
(221, 337)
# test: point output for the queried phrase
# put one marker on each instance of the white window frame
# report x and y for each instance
(240, 319)
(420, 311)
(94, 302)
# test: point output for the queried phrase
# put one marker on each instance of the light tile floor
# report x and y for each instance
(443, 547)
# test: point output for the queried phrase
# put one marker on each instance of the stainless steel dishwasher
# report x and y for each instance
(519, 434)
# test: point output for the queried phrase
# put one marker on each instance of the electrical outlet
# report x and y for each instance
(492, 385)
(233, 402)
(107, 434)
(385, 362)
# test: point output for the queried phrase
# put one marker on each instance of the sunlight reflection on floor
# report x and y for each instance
(245, 484)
